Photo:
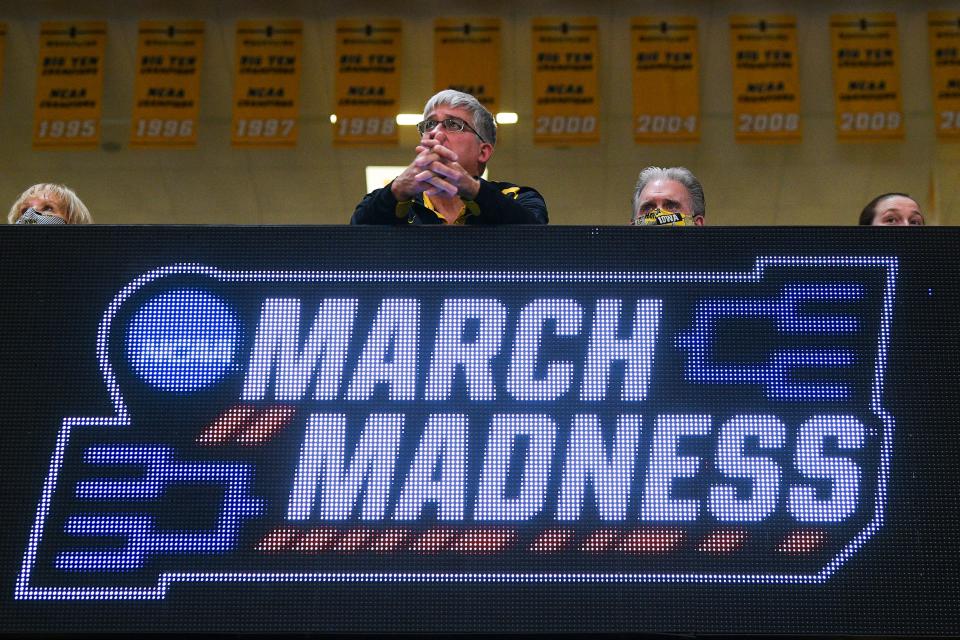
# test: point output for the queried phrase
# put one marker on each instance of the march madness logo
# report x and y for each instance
(474, 426)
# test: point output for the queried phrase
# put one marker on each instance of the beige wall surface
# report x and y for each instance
(818, 181)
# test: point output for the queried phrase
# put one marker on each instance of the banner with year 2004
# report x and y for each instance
(166, 102)
(766, 78)
(466, 57)
(866, 76)
(566, 87)
(367, 87)
(943, 28)
(266, 85)
(666, 80)
(69, 94)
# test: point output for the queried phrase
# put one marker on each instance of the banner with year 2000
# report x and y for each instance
(266, 85)
(566, 86)
(367, 83)
(866, 77)
(166, 94)
(69, 94)
(666, 80)
(766, 78)
(466, 57)
(943, 28)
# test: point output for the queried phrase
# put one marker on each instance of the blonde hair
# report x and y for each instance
(77, 212)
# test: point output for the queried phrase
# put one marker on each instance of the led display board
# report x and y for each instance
(555, 429)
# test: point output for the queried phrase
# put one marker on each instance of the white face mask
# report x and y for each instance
(662, 217)
(31, 216)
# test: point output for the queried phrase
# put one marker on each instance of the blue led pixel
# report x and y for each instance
(183, 340)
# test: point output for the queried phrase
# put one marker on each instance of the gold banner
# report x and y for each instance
(944, 38)
(166, 94)
(368, 82)
(466, 57)
(866, 76)
(766, 78)
(69, 96)
(666, 80)
(566, 96)
(266, 83)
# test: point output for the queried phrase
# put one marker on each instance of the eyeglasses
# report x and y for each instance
(451, 124)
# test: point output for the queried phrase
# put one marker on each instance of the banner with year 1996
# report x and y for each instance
(69, 94)
(766, 78)
(566, 87)
(368, 82)
(266, 90)
(666, 80)
(466, 57)
(166, 103)
(866, 77)
(944, 36)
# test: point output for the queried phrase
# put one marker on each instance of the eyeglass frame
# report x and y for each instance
(423, 128)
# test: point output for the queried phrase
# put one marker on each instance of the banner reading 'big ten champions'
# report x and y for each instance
(166, 95)
(69, 85)
(766, 78)
(367, 82)
(944, 37)
(666, 80)
(866, 76)
(566, 87)
(266, 87)
(466, 57)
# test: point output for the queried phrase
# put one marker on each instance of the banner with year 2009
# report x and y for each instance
(866, 76)
(666, 80)
(466, 57)
(166, 102)
(69, 85)
(367, 83)
(943, 28)
(766, 78)
(266, 85)
(566, 87)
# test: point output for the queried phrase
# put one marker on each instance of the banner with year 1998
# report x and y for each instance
(566, 87)
(368, 82)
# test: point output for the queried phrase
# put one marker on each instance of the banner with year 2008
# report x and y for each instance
(666, 80)
(166, 102)
(943, 28)
(266, 84)
(766, 78)
(866, 76)
(466, 57)
(566, 87)
(69, 85)
(367, 82)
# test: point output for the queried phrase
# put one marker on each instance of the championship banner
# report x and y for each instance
(666, 80)
(766, 78)
(166, 105)
(566, 87)
(266, 84)
(368, 82)
(69, 85)
(466, 57)
(944, 38)
(866, 76)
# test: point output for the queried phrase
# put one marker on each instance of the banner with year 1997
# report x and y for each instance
(944, 36)
(367, 82)
(566, 87)
(766, 78)
(69, 94)
(166, 103)
(666, 80)
(866, 77)
(266, 90)
(466, 57)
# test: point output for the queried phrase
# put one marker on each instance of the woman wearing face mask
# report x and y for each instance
(49, 203)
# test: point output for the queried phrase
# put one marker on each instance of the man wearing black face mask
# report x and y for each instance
(670, 196)
(49, 203)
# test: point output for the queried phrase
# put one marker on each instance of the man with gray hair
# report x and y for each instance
(668, 196)
(443, 185)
